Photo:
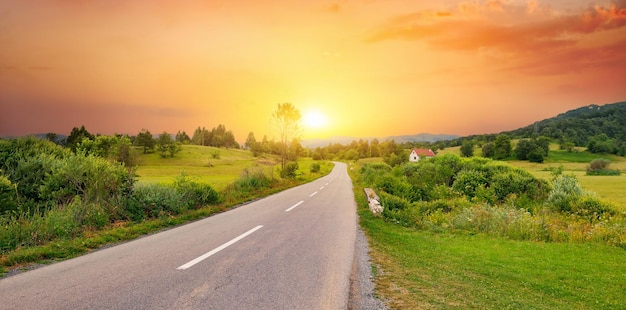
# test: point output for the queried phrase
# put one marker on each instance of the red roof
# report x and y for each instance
(424, 152)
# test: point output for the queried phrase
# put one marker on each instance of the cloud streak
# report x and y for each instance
(532, 39)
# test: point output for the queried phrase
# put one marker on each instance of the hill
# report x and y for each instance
(580, 126)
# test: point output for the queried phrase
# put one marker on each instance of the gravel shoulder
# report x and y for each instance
(361, 295)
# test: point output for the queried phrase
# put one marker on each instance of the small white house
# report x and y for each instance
(417, 154)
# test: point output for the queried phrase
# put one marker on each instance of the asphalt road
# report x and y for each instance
(292, 250)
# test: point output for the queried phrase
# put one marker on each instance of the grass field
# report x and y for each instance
(424, 270)
(214, 166)
(217, 167)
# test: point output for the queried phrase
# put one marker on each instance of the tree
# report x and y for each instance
(488, 150)
(165, 145)
(145, 140)
(543, 143)
(52, 137)
(250, 141)
(201, 136)
(467, 149)
(502, 147)
(182, 137)
(523, 148)
(287, 121)
(77, 135)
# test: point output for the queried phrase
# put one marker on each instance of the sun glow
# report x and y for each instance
(314, 119)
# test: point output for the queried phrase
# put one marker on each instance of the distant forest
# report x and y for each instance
(598, 129)
(601, 129)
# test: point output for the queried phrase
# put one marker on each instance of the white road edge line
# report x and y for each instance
(221, 247)
(294, 206)
(312, 194)
(321, 188)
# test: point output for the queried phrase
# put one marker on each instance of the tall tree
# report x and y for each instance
(182, 137)
(166, 145)
(145, 140)
(502, 147)
(250, 141)
(77, 135)
(287, 121)
(467, 148)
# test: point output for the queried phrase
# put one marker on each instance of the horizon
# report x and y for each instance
(374, 69)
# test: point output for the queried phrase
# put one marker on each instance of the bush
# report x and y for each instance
(600, 166)
(8, 195)
(518, 182)
(535, 156)
(315, 167)
(591, 207)
(195, 194)
(565, 190)
(468, 181)
(249, 182)
(155, 200)
(289, 172)
(94, 179)
(393, 203)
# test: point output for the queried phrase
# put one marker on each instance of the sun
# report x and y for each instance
(314, 119)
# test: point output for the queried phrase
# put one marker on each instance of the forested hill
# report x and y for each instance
(581, 126)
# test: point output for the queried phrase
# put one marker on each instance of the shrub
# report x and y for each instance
(535, 156)
(393, 203)
(468, 181)
(315, 167)
(8, 195)
(590, 207)
(154, 200)
(518, 182)
(565, 190)
(397, 187)
(290, 170)
(195, 194)
(249, 182)
(600, 166)
(94, 179)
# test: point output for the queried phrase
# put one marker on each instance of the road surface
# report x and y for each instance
(292, 250)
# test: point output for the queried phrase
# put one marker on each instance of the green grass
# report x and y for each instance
(424, 270)
(198, 162)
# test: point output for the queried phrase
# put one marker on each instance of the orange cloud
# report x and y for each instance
(548, 45)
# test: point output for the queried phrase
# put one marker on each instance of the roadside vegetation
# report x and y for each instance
(57, 203)
(479, 233)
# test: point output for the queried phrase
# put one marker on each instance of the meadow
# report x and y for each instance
(217, 167)
(424, 257)
(425, 270)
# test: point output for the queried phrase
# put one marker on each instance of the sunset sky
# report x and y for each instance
(368, 67)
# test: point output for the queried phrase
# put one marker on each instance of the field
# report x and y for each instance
(424, 270)
(215, 166)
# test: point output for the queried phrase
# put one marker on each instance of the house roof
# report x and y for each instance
(424, 152)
